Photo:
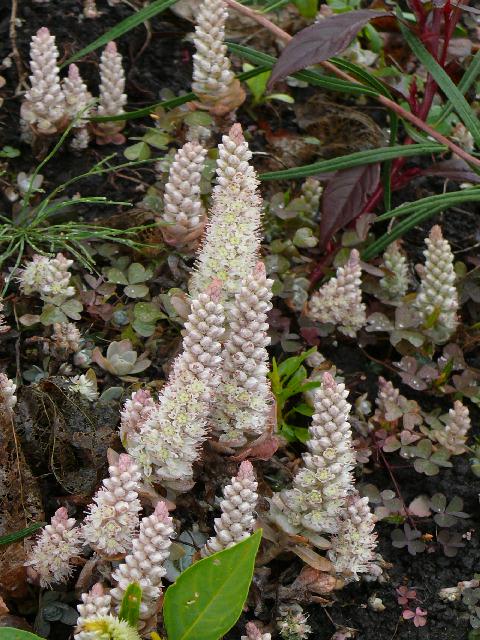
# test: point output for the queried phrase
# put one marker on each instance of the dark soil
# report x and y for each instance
(165, 63)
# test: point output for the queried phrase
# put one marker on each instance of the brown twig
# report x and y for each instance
(12, 34)
(390, 104)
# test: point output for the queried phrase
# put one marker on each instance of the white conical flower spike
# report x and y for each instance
(339, 301)
(238, 505)
(231, 247)
(244, 400)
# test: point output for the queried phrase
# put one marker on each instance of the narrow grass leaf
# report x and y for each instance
(19, 535)
(123, 27)
(460, 105)
(9, 633)
(354, 160)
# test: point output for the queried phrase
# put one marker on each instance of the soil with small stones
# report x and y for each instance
(157, 59)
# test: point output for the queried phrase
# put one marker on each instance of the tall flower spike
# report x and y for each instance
(95, 604)
(134, 413)
(145, 563)
(394, 283)
(170, 438)
(387, 399)
(243, 400)
(231, 247)
(8, 399)
(320, 488)
(44, 105)
(238, 506)
(254, 633)
(339, 301)
(50, 557)
(437, 292)
(113, 517)
(183, 208)
(454, 436)
(77, 98)
(49, 277)
(353, 548)
(112, 95)
(214, 82)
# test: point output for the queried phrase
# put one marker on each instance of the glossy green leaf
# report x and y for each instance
(354, 160)
(138, 151)
(9, 633)
(207, 599)
(130, 606)
(19, 535)
(460, 105)
(123, 27)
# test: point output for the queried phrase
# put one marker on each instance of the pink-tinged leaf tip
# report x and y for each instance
(246, 470)
(328, 380)
(260, 271)
(436, 233)
(161, 511)
(73, 72)
(236, 133)
(97, 590)
(214, 289)
(60, 515)
(125, 462)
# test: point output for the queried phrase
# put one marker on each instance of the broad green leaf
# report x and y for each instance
(116, 276)
(290, 365)
(144, 329)
(122, 27)
(138, 151)
(307, 8)
(19, 535)
(354, 160)
(72, 308)
(207, 599)
(137, 273)
(130, 606)
(136, 290)
(157, 138)
(52, 314)
(9, 633)
(257, 85)
(147, 312)
(461, 106)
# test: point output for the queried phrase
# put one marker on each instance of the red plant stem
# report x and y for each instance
(431, 85)
(386, 102)
(419, 12)
(397, 488)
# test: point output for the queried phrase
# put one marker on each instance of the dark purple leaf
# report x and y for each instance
(344, 198)
(321, 41)
(453, 169)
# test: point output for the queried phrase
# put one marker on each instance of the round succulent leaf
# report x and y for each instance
(444, 519)
(144, 329)
(137, 273)
(138, 151)
(72, 308)
(426, 467)
(116, 276)
(147, 312)
(136, 291)
(52, 314)
(438, 502)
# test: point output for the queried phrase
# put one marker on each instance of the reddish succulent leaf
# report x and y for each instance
(321, 41)
(344, 198)
(453, 169)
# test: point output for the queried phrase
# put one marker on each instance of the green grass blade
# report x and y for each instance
(123, 27)
(419, 211)
(354, 160)
(173, 102)
(19, 535)
(459, 104)
(464, 85)
(361, 74)
(312, 77)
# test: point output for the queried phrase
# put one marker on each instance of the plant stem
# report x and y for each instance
(389, 104)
